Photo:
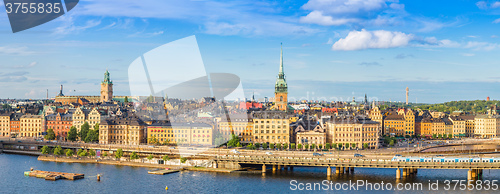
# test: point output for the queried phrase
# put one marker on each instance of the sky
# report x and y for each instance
(332, 49)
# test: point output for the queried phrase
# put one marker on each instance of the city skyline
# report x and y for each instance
(374, 47)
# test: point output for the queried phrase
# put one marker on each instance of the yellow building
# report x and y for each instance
(180, 133)
(122, 130)
(316, 136)
(31, 126)
(394, 125)
(353, 130)
(240, 125)
(469, 124)
(409, 126)
(5, 124)
(426, 127)
(458, 126)
(376, 115)
(271, 127)
(80, 116)
(438, 127)
(487, 126)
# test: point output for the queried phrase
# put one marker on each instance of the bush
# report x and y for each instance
(150, 157)
(250, 146)
(166, 158)
(104, 154)
(183, 160)
(365, 145)
(285, 146)
(327, 146)
(92, 152)
(134, 156)
(58, 150)
(69, 152)
(292, 146)
(299, 146)
(119, 153)
(257, 145)
(45, 150)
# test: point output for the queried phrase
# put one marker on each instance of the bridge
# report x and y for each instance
(347, 165)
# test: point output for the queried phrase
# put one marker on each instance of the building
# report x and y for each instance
(79, 118)
(15, 124)
(281, 88)
(394, 125)
(31, 126)
(239, 124)
(315, 135)
(437, 127)
(469, 124)
(180, 133)
(409, 125)
(5, 124)
(106, 88)
(346, 131)
(126, 130)
(487, 126)
(271, 127)
(458, 126)
(60, 123)
(376, 115)
(426, 127)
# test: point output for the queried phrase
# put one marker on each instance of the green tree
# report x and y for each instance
(238, 145)
(83, 131)
(119, 153)
(365, 145)
(72, 134)
(391, 143)
(299, 146)
(83, 153)
(285, 146)
(440, 136)
(292, 146)
(58, 150)
(92, 152)
(327, 146)
(313, 146)
(134, 156)
(434, 136)
(104, 154)
(50, 135)
(353, 145)
(183, 160)
(235, 140)
(45, 150)
(257, 145)
(334, 145)
(450, 136)
(69, 152)
(125, 100)
(264, 145)
(278, 146)
(150, 157)
(250, 146)
(271, 146)
(306, 146)
(166, 158)
(92, 136)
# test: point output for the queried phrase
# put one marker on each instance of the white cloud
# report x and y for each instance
(317, 17)
(482, 46)
(358, 40)
(69, 26)
(468, 54)
(495, 5)
(496, 21)
(487, 5)
(330, 41)
(8, 50)
(346, 6)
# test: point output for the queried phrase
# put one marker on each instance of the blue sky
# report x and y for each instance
(334, 49)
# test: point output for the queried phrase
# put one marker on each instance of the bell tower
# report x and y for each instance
(106, 88)
(281, 88)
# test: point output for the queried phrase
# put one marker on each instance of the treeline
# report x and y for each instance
(476, 106)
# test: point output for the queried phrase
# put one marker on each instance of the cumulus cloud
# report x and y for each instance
(341, 12)
(359, 40)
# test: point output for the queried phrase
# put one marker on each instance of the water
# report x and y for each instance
(124, 179)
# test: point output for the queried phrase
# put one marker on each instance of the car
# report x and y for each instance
(317, 154)
(358, 155)
(397, 155)
(269, 153)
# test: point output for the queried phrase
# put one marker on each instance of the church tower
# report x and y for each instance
(281, 88)
(106, 88)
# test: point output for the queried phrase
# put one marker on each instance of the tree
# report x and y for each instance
(92, 152)
(50, 135)
(271, 146)
(306, 146)
(292, 146)
(83, 131)
(83, 153)
(285, 146)
(264, 145)
(92, 136)
(134, 156)
(278, 146)
(450, 136)
(440, 136)
(58, 150)
(250, 146)
(365, 145)
(166, 158)
(257, 145)
(150, 157)
(72, 134)
(327, 146)
(235, 140)
(69, 152)
(299, 146)
(104, 154)
(183, 160)
(353, 145)
(125, 100)
(434, 136)
(238, 145)
(313, 146)
(391, 143)
(45, 150)
(334, 145)
(119, 153)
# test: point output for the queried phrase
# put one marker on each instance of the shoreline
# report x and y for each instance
(132, 164)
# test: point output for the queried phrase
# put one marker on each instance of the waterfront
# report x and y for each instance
(125, 179)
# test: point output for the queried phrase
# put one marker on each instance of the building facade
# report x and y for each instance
(31, 126)
(5, 124)
(271, 127)
(129, 130)
(106, 88)
(346, 131)
(60, 123)
(181, 133)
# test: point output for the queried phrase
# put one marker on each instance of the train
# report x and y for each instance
(445, 159)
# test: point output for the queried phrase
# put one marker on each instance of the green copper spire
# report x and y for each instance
(106, 78)
(281, 85)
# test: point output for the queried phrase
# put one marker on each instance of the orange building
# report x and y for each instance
(60, 123)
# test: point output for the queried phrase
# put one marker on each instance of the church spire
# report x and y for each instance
(281, 73)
